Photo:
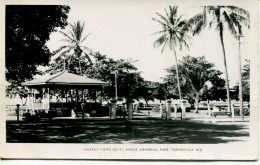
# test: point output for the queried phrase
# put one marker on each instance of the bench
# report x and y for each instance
(221, 114)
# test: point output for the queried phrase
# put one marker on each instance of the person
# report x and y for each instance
(36, 116)
(43, 114)
(28, 116)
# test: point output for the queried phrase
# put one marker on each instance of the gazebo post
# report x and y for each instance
(95, 95)
(62, 101)
(50, 109)
(83, 99)
(66, 95)
(89, 105)
(101, 99)
(77, 95)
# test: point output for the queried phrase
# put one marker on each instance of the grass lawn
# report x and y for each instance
(121, 131)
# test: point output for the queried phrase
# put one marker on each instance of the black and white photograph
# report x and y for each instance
(130, 80)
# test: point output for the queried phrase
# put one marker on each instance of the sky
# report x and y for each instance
(122, 30)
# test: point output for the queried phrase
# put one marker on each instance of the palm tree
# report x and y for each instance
(74, 50)
(173, 34)
(197, 73)
(223, 17)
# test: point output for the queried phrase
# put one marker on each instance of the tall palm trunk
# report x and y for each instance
(177, 73)
(225, 64)
(179, 87)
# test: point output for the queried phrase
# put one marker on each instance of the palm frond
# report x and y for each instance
(239, 10)
(160, 22)
(239, 18)
(66, 35)
(165, 43)
(73, 36)
(67, 40)
(199, 26)
(89, 59)
(178, 22)
(60, 49)
(87, 48)
(85, 37)
(159, 32)
(195, 19)
(173, 31)
(63, 54)
(162, 17)
(230, 23)
(160, 41)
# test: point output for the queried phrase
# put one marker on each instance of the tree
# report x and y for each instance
(146, 91)
(161, 91)
(173, 34)
(128, 79)
(74, 50)
(195, 74)
(224, 17)
(28, 28)
(216, 91)
(246, 81)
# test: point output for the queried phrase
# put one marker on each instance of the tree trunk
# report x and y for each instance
(240, 83)
(177, 73)
(197, 103)
(225, 64)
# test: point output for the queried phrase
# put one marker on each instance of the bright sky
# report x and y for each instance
(123, 30)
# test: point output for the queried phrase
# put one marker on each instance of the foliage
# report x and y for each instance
(246, 81)
(245, 84)
(221, 17)
(28, 28)
(173, 34)
(216, 91)
(128, 79)
(73, 51)
(196, 75)
(144, 92)
(161, 91)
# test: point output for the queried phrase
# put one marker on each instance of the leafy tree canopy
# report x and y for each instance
(196, 74)
(103, 68)
(128, 79)
(28, 28)
(74, 50)
(245, 84)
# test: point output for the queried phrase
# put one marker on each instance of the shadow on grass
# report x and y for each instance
(117, 132)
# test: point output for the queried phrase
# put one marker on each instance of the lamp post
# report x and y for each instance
(116, 73)
(240, 79)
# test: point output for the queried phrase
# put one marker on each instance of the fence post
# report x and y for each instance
(175, 111)
(232, 111)
(113, 109)
(129, 105)
(209, 113)
(183, 111)
(18, 111)
(161, 109)
(168, 109)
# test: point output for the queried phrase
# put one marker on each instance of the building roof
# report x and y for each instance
(64, 78)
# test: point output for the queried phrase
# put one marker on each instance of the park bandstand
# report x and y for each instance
(66, 95)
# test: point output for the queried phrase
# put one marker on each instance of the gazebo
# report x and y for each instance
(62, 93)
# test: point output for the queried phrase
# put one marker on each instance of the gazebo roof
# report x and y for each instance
(65, 79)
